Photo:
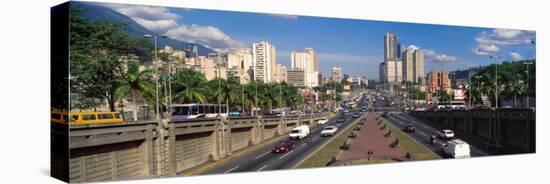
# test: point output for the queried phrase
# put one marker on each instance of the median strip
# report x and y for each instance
(330, 148)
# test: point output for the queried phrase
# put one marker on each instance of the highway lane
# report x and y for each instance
(263, 159)
(423, 133)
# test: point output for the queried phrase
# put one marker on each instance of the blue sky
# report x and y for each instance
(354, 45)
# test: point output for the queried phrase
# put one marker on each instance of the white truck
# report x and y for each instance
(299, 132)
(456, 148)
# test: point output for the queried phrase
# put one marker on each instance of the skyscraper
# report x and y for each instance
(408, 66)
(418, 66)
(382, 72)
(264, 61)
(390, 46)
(393, 65)
(306, 60)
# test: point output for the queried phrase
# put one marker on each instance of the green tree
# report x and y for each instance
(137, 83)
(189, 87)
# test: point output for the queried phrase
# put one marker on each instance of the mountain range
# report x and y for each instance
(135, 30)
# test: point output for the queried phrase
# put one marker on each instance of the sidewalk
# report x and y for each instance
(371, 138)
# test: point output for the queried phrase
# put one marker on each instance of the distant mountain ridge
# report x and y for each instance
(135, 30)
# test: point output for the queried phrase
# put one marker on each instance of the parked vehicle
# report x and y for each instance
(329, 131)
(323, 121)
(356, 115)
(283, 146)
(299, 132)
(192, 111)
(456, 148)
(409, 128)
(446, 134)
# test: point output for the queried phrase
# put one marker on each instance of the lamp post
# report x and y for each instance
(478, 82)
(495, 59)
(155, 63)
(527, 71)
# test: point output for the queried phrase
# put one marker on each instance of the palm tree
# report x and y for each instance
(136, 83)
(228, 91)
(190, 87)
(516, 87)
(250, 95)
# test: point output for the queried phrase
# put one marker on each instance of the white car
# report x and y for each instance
(323, 121)
(299, 132)
(329, 131)
(446, 134)
(456, 148)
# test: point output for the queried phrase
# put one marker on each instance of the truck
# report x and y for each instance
(299, 132)
(456, 148)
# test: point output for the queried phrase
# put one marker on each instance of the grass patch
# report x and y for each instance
(408, 144)
(324, 154)
(365, 161)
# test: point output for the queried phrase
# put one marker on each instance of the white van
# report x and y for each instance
(299, 132)
(456, 148)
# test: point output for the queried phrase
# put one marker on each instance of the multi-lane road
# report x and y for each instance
(262, 159)
(423, 133)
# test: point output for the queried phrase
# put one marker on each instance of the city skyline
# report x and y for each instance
(342, 42)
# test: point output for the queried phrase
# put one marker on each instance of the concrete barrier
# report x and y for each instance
(149, 148)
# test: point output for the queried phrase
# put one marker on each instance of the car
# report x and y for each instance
(329, 131)
(323, 121)
(409, 128)
(341, 120)
(356, 115)
(385, 114)
(446, 134)
(283, 146)
(456, 148)
(346, 111)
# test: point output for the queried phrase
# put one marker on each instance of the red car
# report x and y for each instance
(283, 146)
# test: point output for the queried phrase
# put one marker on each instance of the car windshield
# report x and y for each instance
(329, 128)
(295, 131)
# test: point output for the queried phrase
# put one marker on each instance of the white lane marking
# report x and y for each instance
(262, 168)
(285, 154)
(263, 154)
(423, 134)
(232, 169)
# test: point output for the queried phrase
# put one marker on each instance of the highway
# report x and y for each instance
(423, 133)
(263, 159)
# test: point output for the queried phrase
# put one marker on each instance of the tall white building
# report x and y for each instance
(418, 65)
(393, 65)
(408, 66)
(337, 74)
(307, 61)
(263, 55)
(394, 71)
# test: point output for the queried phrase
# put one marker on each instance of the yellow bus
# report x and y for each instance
(86, 117)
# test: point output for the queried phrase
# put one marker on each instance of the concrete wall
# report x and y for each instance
(514, 128)
(149, 149)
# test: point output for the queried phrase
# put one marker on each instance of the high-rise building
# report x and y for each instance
(279, 74)
(337, 74)
(263, 54)
(382, 72)
(306, 60)
(390, 47)
(295, 77)
(408, 66)
(393, 66)
(418, 66)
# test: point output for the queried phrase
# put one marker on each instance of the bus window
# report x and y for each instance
(105, 116)
(118, 116)
(88, 117)
(74, 117)
(56, 116)
(212, 109)
(194, 110)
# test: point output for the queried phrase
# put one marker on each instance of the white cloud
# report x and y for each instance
(349, 58)
(431, 55)
(516, 56)
(207, 35)
(154, 18)
(490, 42)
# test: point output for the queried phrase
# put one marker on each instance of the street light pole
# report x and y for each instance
(495, 58)
(155, 63)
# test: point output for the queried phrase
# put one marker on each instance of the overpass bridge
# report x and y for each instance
(146, 149)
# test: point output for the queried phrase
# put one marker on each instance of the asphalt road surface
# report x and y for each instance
(263, 159)
(423, 133)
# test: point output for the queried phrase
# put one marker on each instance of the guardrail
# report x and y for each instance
(148, 148)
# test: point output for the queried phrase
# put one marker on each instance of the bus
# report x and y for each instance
(74, 118)
(192, 111)
(452, 105)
